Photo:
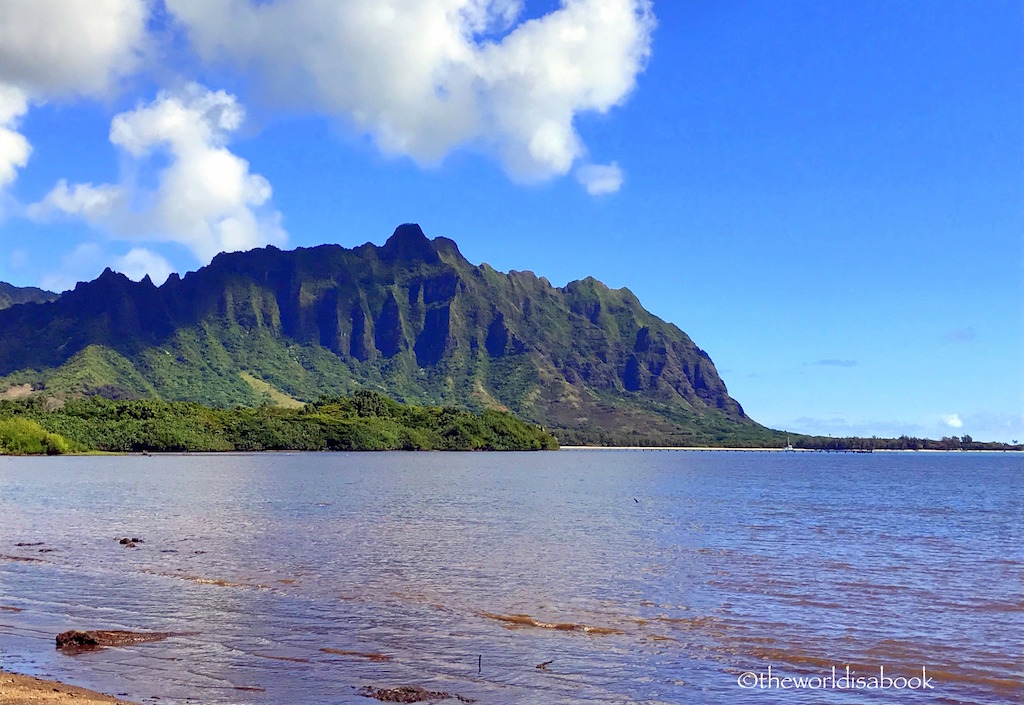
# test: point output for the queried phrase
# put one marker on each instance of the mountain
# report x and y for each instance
(412, 318)
(11, 295)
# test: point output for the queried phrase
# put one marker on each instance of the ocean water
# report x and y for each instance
(635, 576)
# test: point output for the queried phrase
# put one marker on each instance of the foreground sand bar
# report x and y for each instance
(24, 690)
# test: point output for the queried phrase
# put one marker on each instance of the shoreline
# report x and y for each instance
(200, 453)
(16, 689)
(783, 450)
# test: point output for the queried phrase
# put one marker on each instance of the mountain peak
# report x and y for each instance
(409, 242)
(411, 317)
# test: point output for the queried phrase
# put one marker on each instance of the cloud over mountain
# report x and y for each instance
(423, 77)
(206, 197)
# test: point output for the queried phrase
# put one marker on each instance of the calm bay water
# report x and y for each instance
(642, 576)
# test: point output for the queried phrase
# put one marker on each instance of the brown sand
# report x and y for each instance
(23, 690)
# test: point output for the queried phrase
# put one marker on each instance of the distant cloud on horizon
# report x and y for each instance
(952, 420)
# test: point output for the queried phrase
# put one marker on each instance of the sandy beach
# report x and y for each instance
(24, 690)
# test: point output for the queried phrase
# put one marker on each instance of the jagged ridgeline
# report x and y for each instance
(412, 319)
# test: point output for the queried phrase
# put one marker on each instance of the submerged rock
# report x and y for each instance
(409, 694)
(76, 640)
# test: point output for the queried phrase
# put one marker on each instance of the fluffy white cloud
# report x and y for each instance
(57, 47)
(425, 76)
(952, 420)
(90, 202)
(206, 198)
(14, 148)
(54, 48)
(140, 262)
(600, 179)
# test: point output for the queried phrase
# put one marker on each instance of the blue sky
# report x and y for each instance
(827, 196)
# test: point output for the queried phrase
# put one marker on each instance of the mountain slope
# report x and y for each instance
(11, 295)
(412, 318)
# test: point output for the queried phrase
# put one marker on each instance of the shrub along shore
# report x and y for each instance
(365, 421)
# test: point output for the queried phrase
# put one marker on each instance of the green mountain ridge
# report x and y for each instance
(412, 319)
(12, 295)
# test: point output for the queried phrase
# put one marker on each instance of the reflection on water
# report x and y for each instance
(618, 576)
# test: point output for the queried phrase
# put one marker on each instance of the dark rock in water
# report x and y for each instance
(47, 550)
(24, 544)
(125, 541)
(72, 639)
(409, 694)
(76, 640)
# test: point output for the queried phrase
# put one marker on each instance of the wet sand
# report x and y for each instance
(24, 690)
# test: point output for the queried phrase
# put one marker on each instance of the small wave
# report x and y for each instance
(208, 581)
(291, 659)
(369, 656)
(689, 623)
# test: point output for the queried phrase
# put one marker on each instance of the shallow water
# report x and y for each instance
(641, 576)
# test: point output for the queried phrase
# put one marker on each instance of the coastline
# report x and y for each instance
(16, 689)
(783, 450)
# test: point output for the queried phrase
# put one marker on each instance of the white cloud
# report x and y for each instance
(14, 148)
(426, 76)
(58, 47)
(206, 198)
(600, 179)
(140, 262)
(85, 200)
(952, 420)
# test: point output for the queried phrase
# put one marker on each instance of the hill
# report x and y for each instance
(412, 319)
(12, 295)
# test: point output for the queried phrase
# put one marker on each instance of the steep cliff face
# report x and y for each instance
(412, 318)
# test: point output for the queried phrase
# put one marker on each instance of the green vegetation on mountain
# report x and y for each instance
(411, 319)
(364, 421)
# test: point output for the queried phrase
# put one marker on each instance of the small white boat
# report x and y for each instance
(789, 446)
